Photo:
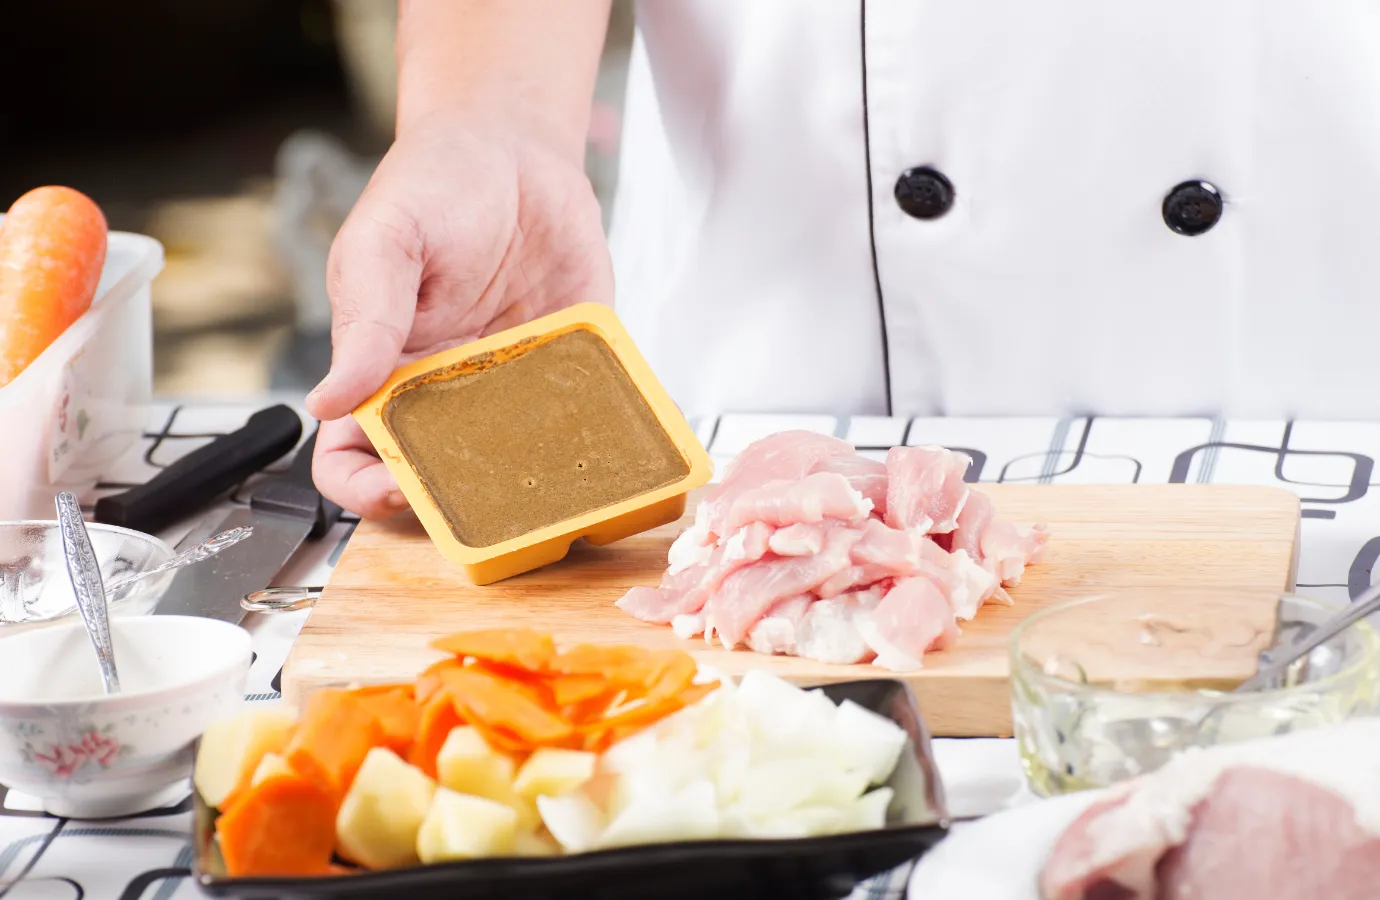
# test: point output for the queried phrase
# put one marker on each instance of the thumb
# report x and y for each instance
(372, 277)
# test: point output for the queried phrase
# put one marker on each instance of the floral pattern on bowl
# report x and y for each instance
(68, 760)
(95, 756)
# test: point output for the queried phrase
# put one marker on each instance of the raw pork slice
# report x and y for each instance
(1007, 548)
(1285, 818)
(694, 545)
(745, 596)
(925, 488)
(965, 583)
(784, 456)
(814, 498)
(797, 540)
(867, 476)
(685, 591)
(829, 632)
(853, 578)
(896, 551)
(913, 618)
(775, 633)
(973, 520)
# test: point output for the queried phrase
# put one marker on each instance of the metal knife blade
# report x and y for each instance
(212, 589)
(284, 511)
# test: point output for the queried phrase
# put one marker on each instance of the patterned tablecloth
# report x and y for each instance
(1329, 464)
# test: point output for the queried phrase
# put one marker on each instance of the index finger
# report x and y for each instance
(348, 472)
(373, 275)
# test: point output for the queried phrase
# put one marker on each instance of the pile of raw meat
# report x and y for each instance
(1286, 818)
(808, 549)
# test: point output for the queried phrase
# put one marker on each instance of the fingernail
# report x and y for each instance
(396, 499)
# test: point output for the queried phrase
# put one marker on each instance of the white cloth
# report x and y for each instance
(743, 238)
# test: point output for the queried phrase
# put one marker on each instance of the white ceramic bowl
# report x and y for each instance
(90, 756)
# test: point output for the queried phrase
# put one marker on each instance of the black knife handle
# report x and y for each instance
(295, 493)
(201, 476)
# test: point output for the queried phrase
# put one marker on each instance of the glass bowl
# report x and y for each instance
(34, 586)
(1110, 687)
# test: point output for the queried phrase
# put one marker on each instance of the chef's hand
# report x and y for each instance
(480, 217)
(458, 235)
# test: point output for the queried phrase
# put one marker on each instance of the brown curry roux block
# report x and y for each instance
(505, 447)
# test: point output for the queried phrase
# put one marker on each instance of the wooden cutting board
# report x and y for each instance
(392, 592)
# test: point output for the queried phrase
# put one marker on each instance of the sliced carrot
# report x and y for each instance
(568, 689)
(645, 670)
(593, 659)
(596, 740)
(587, 712)
(335, 733)
(674, 677)
(398, 715)
(694, 693)
(52, 250)
(599, 735)
(520, 647)
(500, 704)
(284, 825)
(503, 740)
(369, 690)
(429, 682)
(533, 685)
(438, 718)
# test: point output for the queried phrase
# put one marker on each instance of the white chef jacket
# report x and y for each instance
(763, 262)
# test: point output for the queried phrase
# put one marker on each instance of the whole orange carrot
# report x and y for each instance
(52, 250)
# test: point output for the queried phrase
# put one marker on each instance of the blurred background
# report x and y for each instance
(238, 133)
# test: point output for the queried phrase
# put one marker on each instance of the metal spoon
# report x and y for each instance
(85, 572)
(1297, 650)
(1276, 661)
(205, 550)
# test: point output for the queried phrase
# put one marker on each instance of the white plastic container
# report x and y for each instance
(86, 399)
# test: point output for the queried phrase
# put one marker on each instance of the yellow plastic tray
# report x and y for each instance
(544, 545)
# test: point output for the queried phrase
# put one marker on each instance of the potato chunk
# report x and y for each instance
(232, 748)
(466, 764)
(383, 811)
(550, 772)
(272, 764)
(462, 826)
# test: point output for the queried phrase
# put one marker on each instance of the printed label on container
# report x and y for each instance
(73, 429)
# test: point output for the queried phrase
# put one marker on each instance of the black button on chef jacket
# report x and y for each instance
(924, 193)
(1192, 207)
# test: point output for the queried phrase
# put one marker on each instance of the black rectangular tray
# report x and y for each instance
(821, 867)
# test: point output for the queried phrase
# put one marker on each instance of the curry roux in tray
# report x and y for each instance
(507, 446)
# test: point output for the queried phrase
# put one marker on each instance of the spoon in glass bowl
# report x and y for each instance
(205, 550)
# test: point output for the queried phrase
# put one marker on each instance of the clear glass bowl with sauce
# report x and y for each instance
(34, 586)
(1109, 687)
